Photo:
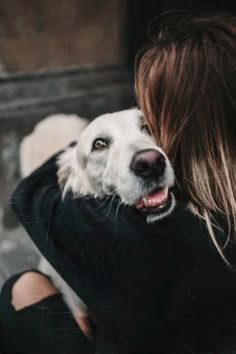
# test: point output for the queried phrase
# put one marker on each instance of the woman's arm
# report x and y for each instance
(124, 269)
(67, 224)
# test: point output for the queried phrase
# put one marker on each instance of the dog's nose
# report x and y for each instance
(148, 163)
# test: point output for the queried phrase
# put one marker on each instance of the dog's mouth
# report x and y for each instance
(158, 201)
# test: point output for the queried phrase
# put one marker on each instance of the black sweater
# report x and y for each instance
(150, 288)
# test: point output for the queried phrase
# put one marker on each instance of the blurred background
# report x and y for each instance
(64, 56)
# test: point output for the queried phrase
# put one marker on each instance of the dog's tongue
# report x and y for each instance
(157, 194)
(153, 199)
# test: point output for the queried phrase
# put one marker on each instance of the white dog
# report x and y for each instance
(114, 155)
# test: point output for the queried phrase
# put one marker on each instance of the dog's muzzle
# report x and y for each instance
(150, 165)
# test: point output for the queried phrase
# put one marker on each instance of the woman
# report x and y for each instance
(161, 288)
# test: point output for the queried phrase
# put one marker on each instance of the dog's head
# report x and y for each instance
(115, 155)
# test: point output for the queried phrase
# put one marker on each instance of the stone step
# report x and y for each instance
(87, 89)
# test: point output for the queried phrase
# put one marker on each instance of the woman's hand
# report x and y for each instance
(33, 287)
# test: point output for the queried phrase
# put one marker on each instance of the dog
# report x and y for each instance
(114, 155)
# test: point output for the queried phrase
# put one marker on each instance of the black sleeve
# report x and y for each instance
(68, 225)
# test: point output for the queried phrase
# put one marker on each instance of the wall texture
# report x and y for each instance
(46, 34)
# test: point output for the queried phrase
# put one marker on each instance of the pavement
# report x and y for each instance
(17, 252)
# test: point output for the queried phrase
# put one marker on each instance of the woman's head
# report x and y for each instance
(186, 87)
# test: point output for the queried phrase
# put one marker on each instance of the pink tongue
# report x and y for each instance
(156, 195)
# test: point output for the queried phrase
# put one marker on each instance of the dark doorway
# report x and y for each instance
(141, 13)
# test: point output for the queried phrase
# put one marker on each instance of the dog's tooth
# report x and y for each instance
(153, 201)
(149, 201)
(156, 202)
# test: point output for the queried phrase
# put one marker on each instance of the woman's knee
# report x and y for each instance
(31, 288)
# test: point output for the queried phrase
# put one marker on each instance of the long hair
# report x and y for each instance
(186, 87)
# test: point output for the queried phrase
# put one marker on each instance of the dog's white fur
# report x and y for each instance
(83, 170)
(107, 172)
(48, 137)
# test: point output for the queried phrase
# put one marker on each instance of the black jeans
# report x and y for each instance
(46, 327)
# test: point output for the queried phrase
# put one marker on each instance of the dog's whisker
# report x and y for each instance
(112, 200)
(117, 209)
(103, 202)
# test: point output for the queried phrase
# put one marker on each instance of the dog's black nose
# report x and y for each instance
(148, 163)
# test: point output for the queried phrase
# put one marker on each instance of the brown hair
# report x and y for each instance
(186, 87)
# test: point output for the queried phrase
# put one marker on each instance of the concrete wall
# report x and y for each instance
(53, 34)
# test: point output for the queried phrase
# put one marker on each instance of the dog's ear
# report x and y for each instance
(48, 137)
(67, 168)
(71, 176)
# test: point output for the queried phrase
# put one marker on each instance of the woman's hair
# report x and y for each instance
(186, 87)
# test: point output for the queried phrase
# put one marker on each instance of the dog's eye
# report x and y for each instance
(100, 144)
(145, 128)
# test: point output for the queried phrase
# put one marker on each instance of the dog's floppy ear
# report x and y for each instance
(49, 136)
(71, 176)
